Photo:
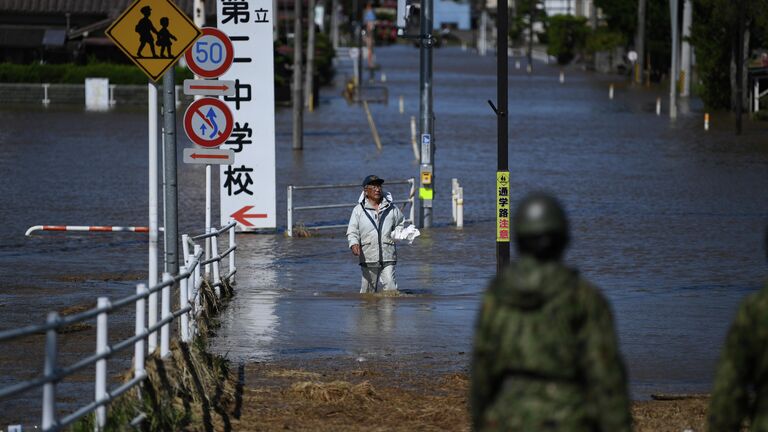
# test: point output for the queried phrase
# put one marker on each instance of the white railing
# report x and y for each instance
(189, 303)
(291, 208)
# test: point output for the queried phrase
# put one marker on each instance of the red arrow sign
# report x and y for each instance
(222, 88)
(242, 216)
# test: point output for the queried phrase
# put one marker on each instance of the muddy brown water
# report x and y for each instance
(667, 219)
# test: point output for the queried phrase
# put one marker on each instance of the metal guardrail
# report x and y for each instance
(291, 208)
(189, 279)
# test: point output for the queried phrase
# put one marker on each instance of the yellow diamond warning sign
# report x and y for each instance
(154, 34)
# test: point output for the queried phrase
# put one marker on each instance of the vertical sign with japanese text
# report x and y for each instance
(502, 206)
(247, 187)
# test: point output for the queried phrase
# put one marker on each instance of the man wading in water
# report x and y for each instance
(373, 227)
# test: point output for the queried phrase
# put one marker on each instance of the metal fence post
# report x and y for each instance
(183, 302)
(49, 389)
(217, 264)
(412, 196)
(165, 335)
(289, 213)
(101, 364)
(185, 249)
(232, 267)
(460, 207)
(138, 360)
(454, 187)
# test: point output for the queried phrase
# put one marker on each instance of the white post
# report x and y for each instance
(454, 191)
(483, 25)
(402, 104)
(141, 318)
(165, 334)
(183, 302)
(412, 196)
(658, 106)
(192, 292)
(232, 267)
(112, 94)
(49, 388)
(185, 249)
(289, 212)
(153, 219)
(675, 59)
(414, 144)
(217, 264)
(207, 217)
(383, 77)
(756, 97)
(460, 208)
(562, 77)
(46, 101)
(101, 365)
(610, 92)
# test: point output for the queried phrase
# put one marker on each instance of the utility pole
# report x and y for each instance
(685, 91)
(740, 65)
(502, 127)
(426, 116)
(640, 42)
(532, 8)
(310, 72)
(673, 5)
(297, 99)
(335, 23)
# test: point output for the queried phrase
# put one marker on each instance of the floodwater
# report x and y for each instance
(667, 219)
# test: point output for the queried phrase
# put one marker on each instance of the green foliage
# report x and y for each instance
(76, 74)
(604, 40)
(714, 33)
(567, 36)
(527, 10)
(621, 15)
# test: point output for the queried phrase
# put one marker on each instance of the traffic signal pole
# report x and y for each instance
(426, 115)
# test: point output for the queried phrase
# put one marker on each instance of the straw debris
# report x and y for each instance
(335, 391)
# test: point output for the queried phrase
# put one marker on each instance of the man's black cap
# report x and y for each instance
(372, 179)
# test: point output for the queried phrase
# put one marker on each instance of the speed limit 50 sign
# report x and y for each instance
(211, 55)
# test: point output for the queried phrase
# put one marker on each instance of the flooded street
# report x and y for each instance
(667, 219)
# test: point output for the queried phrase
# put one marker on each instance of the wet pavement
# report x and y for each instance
(667, 218)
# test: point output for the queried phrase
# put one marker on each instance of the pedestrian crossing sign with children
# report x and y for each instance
(153, 34)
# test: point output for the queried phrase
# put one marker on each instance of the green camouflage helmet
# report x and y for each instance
(540, 214)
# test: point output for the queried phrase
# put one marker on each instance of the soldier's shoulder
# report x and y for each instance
(590, 294)
(755, 303)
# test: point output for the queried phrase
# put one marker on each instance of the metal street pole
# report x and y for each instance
(310, 72)
(297, 100)
(675, 57)
(153, 218)
(640, 42)
(532, 8)
(169, 174)
(686, 53)
(426, 116)
(740, 65)
(502, 131)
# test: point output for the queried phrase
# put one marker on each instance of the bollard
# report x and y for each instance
(102, 347)
(454, 192)
(460, 208)
(610, 92)
(706, 121)
(658, 106)
(463, 46)
(402, 104)
(165, 307)
(289, 212)
(112, 94)
(562, 77)
(517, 64)
(383, 77)
(138, 347)
(529, 68)
(183, 302)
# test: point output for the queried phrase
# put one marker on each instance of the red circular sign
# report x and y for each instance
(211, 55)
(208, 122)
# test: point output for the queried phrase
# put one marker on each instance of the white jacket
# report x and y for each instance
(375, 232)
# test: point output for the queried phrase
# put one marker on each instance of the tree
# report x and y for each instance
(567, 36)
(715, 34)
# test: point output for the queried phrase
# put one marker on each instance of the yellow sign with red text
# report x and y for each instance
(502, 206)
(153, 34)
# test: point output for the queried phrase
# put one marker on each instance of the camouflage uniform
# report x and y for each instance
(741, 382)
(546, 356)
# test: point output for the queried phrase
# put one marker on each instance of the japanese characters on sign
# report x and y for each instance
(153, 34)
(502, 206)
(247, 186)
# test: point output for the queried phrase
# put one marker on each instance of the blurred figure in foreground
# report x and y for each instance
(546, 356)
(740, 390)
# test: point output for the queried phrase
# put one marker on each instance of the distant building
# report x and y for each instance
(452, 14)
(582, 8)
